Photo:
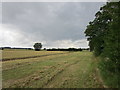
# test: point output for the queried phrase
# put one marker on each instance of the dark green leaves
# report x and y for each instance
(104, 36)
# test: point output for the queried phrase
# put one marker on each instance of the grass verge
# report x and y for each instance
(111, 80)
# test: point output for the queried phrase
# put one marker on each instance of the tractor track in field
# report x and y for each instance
(9, 59)
(59, 72)
(97, 78)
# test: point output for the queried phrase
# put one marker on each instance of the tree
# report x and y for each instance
(37, 46)
(112, 39)
(103, 34)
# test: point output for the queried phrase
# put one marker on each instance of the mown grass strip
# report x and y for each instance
(8, 59)
(69, 70)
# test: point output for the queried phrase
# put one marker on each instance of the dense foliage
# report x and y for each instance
(104, 37)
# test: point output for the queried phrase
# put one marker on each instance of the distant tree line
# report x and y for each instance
(69, 49)
(52, 49)
(38, 46)
(103, 34)
(2, 48)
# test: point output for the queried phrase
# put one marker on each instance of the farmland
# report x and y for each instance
(50, 69)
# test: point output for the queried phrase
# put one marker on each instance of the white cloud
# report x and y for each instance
(0, 12)
(56, 0)
(52, 24)
(50, 21)
(12, 36)
(83, 43)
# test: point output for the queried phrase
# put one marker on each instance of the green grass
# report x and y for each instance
(68, 70)
(110, 79)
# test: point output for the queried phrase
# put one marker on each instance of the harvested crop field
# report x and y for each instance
(55, 69)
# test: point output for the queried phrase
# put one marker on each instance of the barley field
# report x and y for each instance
(50, 69)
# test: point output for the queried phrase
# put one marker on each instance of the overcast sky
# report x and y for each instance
(60, 24)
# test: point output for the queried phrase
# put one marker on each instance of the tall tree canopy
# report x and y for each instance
(103, 34)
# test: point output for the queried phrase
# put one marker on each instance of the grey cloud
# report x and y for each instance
(49, 21)
(0, 12)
